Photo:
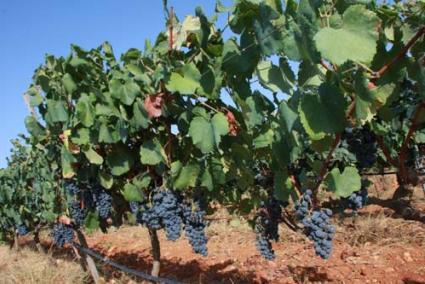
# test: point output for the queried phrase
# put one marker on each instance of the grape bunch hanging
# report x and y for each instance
(267, 227)
(317, 226)
(169, 213)
(362, 142)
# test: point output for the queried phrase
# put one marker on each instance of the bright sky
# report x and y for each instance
(30, 29)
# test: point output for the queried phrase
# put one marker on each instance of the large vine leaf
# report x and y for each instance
(56, 112)
(152, 153)
(85, 111)
(345, 183)
(355, 40)
(185, 82)
(206, 134)
(369, 100)
(322, 113)
(276, 78)
(124, 90)
(92, 155)
(184, 176)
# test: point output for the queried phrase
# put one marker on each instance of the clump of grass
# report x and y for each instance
(27, 266)
(382, 230)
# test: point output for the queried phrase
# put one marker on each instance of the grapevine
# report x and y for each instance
(113, 135)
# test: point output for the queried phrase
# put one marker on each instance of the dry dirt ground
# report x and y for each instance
(374, 247)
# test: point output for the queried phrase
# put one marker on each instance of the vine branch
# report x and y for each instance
(401, 53)
(391, 160)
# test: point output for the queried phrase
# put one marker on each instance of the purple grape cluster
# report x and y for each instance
(62, 234)
(194, 225)
(164, 213)
(22, 229)
(356, 200)
(362, 142)
(77, 213)
(72, 188)
(319, 229)
(267, 227)
(303, 205)
(103, 202)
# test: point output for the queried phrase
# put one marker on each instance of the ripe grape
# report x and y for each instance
(320, 230)
(62, 234)
(267, 226)
(303, 205)
(356, 200)
(164, 213)
(103, 202)
(71, 187)
(194, 225)
(77, 212)
(362, 142)
(22, 229)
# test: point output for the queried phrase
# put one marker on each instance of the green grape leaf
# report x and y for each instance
(345, 183)
(106, 180)
(152, 153)
(67, 160)
(92, 155)
(108, 134)
(184, 176)
(322, 113)
(274, 78)
(124, 90)
(56, 112)
(355, 40)
(264, 139)
(85, 111)
(287, 116)
(69, 84)
(368, 101)
(34, 127)
(120, 160)
(207, 179)
(186, 82)
(206, 134)
(132, 193)
(92, 222)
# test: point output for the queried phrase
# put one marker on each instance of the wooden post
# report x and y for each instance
(156, 252)
(90, 262)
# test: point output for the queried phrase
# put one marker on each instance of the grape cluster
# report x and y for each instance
(356, 200)
(72, 188)
(164, 213)
(98, 198)
(194, 225)
(77, 212)
(267, 227)
(62, 234)
(22, 229)
(319, 229)
(303, 204)
(362, 142)
(103, 201)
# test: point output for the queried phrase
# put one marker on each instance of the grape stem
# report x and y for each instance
(402, 52)
(296, 185)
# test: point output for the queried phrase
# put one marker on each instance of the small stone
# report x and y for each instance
(407, 257)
